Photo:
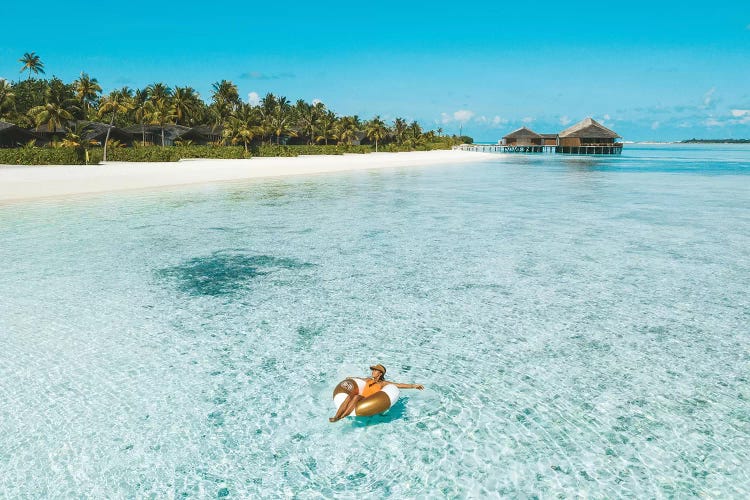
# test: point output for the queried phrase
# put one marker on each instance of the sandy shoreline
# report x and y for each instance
(30, 182)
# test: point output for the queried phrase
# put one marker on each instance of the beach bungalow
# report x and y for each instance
(151, 134)
(12, 136)
(97, 132)
(202, 135)
(48, 135)
(588, 137)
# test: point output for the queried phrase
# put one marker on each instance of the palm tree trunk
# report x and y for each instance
(106, 139)
(162, 136)
(376, 144)
(143, 130)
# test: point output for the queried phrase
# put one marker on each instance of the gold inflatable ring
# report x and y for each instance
(373, 404)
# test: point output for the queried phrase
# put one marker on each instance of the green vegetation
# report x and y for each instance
(47, 156)
(175, 153)
(275, 126)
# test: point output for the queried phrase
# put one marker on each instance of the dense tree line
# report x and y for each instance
(34, 102)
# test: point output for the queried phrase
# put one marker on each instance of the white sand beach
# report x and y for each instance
(29, 182)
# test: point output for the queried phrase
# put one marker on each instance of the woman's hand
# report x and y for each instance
(417, 386)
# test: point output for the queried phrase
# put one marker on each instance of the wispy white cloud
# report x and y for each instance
(527, 119)
(713, 122)
(463, 115)
(565, 120)
(253, 98)
(708, 97)
(607, 117)
(497, 121)
(739, 113)
(655, 125)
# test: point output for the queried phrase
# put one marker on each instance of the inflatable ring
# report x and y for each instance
(373, 404)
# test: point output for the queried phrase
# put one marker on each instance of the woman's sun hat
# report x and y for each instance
(378, 367)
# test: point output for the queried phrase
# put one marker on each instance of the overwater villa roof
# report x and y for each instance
(522, 132)
(589, 128)
(549, 136)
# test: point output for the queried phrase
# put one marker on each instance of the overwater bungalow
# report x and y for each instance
(549, 139)
(588, 137)
(522, 140)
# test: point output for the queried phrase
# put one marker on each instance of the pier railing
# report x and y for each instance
(588, 149)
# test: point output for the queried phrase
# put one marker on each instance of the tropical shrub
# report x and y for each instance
(42, 156)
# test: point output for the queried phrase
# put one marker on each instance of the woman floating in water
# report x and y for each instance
(367, 396)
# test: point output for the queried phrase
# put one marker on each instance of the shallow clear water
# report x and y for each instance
(581, 326)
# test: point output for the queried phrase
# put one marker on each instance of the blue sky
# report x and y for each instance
(649, 70)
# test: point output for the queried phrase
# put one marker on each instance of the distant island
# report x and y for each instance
(715, 141)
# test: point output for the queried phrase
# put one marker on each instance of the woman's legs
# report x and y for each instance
(346, 407)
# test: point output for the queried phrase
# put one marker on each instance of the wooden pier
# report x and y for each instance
(608, 149)
(587, 137)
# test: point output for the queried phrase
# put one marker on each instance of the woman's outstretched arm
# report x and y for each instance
(408, 386)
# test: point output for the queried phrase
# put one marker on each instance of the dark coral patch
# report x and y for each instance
(223, 273)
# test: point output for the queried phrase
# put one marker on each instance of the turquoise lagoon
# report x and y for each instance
(581, 325)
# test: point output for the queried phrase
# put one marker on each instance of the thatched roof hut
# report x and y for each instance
(152, 133)
(12, 136)
(522, 137)
(587, 132)
(97, 132)
(203, 134)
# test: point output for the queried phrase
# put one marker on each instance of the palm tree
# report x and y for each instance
(347, 129)
(7, 98)
(281, 117)
(32, 63)
(118, 101)
(414, 136)
(376, 131)
(158, 91)
(75, 138)
(226, 100)
(53, 114)
(242, 126)
(87, 90)
(58, 108)
(266, 108)
(140, 108)
(185, 103)
(399, 129)
(307, 117)
(326, 127)
(160, 112)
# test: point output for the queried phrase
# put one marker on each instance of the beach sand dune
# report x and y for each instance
(29, 182)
